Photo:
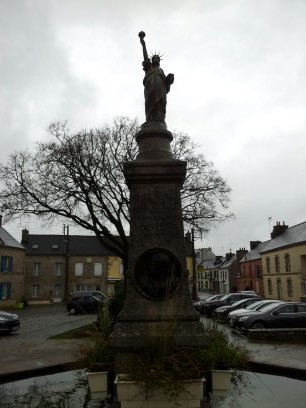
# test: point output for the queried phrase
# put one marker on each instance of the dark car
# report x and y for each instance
(253, 308)
(283, 315)
(9, 322)
(84, 304)
(197, 304)
(207, 308)
(96, 293)
(222, 312)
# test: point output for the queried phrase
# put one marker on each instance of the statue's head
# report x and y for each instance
(155, 60)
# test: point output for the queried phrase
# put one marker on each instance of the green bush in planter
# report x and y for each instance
(163, 364)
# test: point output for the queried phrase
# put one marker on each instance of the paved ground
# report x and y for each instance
(30, 349)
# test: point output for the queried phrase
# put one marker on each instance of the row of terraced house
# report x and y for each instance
(275, 268)
(47, 268)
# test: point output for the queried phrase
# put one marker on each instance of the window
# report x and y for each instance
(289, 288)
(97, 269)
(258, 271)
(269, 286)
(301, 308)
(57, 290)
(268, 264)
(277, 264)
(6, 264)
(36, 269)
(5, 291)
(303, 288)
(287, 263)
(286, 309)
(58, 269)
(85, 288)
(35, 291)
(78, 269)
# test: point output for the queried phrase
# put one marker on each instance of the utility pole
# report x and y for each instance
(66, 234)
(194, 270)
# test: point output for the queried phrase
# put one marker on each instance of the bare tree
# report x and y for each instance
(80, 177)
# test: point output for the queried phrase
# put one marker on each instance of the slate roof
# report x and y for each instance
(7, 240)
(228, 262)
(211, 263)
(291, 236)
(254, 254)
(56, 245)
(205, 254)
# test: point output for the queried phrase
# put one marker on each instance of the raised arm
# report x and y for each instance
(142, 35)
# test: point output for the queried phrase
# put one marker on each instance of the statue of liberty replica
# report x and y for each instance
(156, 85)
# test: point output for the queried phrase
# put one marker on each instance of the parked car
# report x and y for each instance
(96, 293)
(252, 292)
(207, 308)
(84, 304)
(197, 304)
(9, 322)
(277, 315)
(222, 312)
(253, 308)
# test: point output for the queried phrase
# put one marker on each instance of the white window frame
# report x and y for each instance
(36, 269)
(79, 269)
(6, 290)
(58, 268)
(35, 291)
(97, 269)
(58, 290)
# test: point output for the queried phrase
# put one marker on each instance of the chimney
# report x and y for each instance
(24, 236)
(218, 259)
(278, 229)
(0, 221)
(240, 253)
(254, 244)
(228, 256)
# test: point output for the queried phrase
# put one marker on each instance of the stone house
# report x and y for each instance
(284, 263)
(56, 265)
(250, 276)
(12, 256)
(210, 281)
(229, 270)
(203, 254)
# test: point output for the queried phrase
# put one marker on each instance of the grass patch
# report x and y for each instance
(79, 333)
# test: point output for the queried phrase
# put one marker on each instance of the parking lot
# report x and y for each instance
(31, 348)
(44, 321)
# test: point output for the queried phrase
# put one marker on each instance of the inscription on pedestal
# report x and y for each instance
(155, 217)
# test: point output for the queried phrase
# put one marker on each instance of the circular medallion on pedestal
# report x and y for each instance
(157, 274)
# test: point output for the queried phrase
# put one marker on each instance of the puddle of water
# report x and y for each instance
(265, 391)
(70, 390)
(62, 390)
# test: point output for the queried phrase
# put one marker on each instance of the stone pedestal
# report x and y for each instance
(158, 301)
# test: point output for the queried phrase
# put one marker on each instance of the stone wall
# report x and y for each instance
(279, 335)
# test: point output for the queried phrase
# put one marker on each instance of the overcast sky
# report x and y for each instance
(239, 90)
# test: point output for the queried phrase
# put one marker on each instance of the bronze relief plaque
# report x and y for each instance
(157, 274)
